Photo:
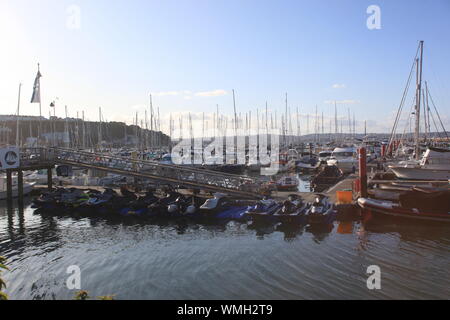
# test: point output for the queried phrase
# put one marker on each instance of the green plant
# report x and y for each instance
(3, 296)
(84, 295)
(110, 297)
(81, 295)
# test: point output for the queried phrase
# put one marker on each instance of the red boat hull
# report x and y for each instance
(392, 209)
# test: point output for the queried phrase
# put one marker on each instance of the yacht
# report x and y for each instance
(434, 165)
(344, 158)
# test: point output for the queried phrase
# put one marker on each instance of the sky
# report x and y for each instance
(191, 54)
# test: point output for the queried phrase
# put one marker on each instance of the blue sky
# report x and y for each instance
(191, 54)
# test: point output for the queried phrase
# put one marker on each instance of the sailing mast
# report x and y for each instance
(418, 96)
(18, 121)
(235, 128)
(151, 122)
(100, 128)
(66, 128)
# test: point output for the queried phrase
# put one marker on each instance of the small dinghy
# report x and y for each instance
(293, 211)
(321, 211)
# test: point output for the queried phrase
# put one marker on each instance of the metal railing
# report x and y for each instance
(180, 175)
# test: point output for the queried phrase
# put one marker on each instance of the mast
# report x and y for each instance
(18, 121)
(151, 122)
(235, 127)
(307, 124)
(285, 120)
(100, 127)
(66, 127)
(84, 131)
(418, 96)
(159, 131)
(349, 123)
(267, 124)
(40, 109)
(335, 120)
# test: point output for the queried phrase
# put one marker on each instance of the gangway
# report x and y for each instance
(179, 175)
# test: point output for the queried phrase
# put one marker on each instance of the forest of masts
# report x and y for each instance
(146, 133)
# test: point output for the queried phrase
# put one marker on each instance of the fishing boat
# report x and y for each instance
(434, 165)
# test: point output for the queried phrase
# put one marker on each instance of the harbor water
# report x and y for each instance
(138, 260)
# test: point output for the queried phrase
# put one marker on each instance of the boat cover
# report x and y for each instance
(426, 201)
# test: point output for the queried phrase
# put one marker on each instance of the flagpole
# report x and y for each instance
(40, 110)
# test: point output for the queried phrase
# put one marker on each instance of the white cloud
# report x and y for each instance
(214, 93)
(338, 86)
(188, 93)
(348, 101)
(168, 93)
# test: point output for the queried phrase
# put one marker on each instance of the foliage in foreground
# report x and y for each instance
(3, 296)
(84, 295)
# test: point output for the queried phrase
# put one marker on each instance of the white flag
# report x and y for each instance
(36, 98)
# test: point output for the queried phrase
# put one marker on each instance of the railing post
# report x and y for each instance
(9, 194)
(49, 179)
(363, 171)
(20, 185)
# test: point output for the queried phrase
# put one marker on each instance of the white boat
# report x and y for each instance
(38, 176)
(324, 156)
(345, 159)
(27, 187)
(434, 165)
(307, 163)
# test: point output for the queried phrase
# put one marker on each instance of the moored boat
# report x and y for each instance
(293, 211)
(321, 211)
(434, 165)
(393, 209)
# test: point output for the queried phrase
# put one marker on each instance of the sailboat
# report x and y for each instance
(435, 163)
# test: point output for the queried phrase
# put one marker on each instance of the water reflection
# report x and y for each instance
(169, 256)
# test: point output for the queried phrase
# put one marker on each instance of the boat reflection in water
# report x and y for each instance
(165, 260)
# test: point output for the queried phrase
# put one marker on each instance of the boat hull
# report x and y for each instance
(420, 174)
(388, 208)
(27, 188)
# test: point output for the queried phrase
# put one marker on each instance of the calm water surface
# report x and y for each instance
(134, 260)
